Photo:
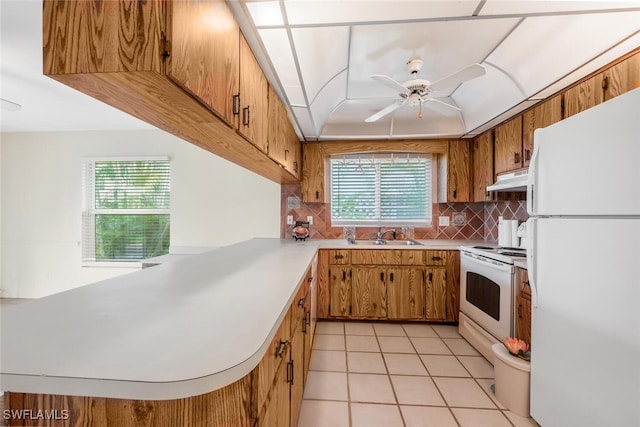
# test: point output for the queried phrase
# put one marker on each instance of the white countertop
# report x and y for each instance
(179, 329)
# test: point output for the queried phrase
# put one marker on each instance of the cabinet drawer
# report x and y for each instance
(339, 256)
(387, 257)
(438, 258)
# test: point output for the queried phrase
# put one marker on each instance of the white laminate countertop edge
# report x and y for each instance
(155, 334)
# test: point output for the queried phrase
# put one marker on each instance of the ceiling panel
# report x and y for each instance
(348, 119)
(276, 42)
(502, 7)
(322, 53)
(445, 47)
(407, 124)
(305, 12)
(303, 117)
(544, 49)
(327, 100)
(486, 97)
(265, 13)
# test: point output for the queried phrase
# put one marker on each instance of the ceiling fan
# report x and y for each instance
(415, 91)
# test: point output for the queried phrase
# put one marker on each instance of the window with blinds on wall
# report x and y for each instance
(126, 209)
(381, 189)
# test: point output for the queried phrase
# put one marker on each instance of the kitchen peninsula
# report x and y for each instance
(157, 343)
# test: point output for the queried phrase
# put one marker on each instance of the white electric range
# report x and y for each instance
(487, 295)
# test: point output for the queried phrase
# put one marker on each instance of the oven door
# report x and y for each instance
(486, 293)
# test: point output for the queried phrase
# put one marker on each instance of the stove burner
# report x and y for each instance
(483, 247)
(514, 254)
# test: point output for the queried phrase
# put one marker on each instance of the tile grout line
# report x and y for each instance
(393, 389)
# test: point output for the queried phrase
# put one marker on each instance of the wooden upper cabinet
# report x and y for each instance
(283, 144)
(204, 60)
(312, 182)
(482, 167)
(459, 171)
(102, 37)
(540, 116)
(507, 146)
(254, 108)
(621, 78)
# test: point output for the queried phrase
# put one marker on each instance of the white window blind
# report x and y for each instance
(381, 189)
(126, 209)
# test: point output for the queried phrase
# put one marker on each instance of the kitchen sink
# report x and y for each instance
(381, 242)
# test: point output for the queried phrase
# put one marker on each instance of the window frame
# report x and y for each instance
(89, 212)
(430, 196)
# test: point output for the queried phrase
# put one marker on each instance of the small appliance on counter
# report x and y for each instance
(522, 234)
(508, 233)
(301, 230)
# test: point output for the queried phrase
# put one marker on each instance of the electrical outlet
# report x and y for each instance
(310, 220)
(443, 221)
(289, 219)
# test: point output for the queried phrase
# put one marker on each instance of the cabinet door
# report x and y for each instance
(583, 96)
(277, 413)
(295, 375)
(621, 78)
(540, 116)
(323, 293)
(275, 133)
(459, 172)
(293, 148)
(273, 360)
(436, 258)
(507, 146)
(436, 293)
(339, 290)
(523, 319)
(453, 286)
(482, 167)
(339, 256)
(369, 292)
(253, 99)
(312, 183)
(405, 293)
(204, 59)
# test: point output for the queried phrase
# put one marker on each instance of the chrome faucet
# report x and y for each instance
(380, 234)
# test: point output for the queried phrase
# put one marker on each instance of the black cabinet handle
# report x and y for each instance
(431, 277)
(245, 116)
(286, 152)
(455, 194)
(344, 276)
(281, 348)
(436, 258)
(391, 277)
(236, 104)
(516, 157)
(519, 310)
(527, 154)
(382, 276)
(295, 166)
(304, 323)
(317, 195)
(290, 372)
(339, 256)
(310, 279)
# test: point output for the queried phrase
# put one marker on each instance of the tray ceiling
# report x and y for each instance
(320, 56)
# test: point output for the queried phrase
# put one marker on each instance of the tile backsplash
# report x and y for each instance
(468, 221)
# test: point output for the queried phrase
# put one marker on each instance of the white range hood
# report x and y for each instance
(512, 181)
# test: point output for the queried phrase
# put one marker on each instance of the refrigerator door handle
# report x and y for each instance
(532, 259)
(531, 176)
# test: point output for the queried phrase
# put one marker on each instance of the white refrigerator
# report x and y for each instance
(584, 267)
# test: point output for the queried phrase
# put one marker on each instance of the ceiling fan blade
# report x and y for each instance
(380, 114)
(440, 102)
(471, 72)
(389, 82)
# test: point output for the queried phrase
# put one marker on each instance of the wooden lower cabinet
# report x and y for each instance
(389, 284)
(369, 292)
(277, 412)
(405, 293)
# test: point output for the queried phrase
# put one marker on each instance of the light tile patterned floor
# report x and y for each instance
(411, 375)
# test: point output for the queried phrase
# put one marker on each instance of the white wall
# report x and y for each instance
(213, 203)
